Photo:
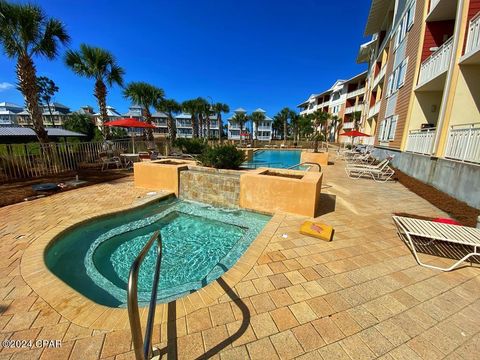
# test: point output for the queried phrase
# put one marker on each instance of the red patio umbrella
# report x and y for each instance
(354, 134)
(130, 123)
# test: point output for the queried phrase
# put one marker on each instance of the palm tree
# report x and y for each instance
(203, 108)
(100, 65)
(294, 122)
(241, 119)
(147, 96)
(336, 124)
(277, 125)
(257, 117)
(356, 115)
(220, 108)
(25, 32)
(319, 118)
(284, 115)
(170, 107)
(191, 107)
(46, 91)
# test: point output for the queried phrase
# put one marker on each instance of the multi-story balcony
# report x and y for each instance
(436, 66)
(264, 128)
(355, 93)
(374, 109)
(472, 48)
(379, 77)
(421, 141)
(232, 126)
(264, 137)
(463, 143)
(348, 125)
(352, 109)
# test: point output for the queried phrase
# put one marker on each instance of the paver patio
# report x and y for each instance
(360, 296)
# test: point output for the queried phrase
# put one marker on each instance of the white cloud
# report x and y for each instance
(6, 86)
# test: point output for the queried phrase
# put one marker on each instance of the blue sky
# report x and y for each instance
(249, 54)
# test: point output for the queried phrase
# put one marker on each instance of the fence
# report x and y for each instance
(25, 161)
(421, 141)
(464, 143)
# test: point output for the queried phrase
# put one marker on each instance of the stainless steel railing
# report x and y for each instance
(306, 163)
(143, 345)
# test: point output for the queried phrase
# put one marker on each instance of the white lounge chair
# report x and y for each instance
(381, 172)
(365, 159)
(413, 230)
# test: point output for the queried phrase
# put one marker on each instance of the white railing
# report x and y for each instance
(348, 125)
(264, 138)
(421, 141)
(473, 38)
(463, 143)
(352, 109)
(437, 63)
(356, 92)
(379, 76)
(374, 109)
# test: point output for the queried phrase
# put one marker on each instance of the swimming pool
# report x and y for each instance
(199, 243)
(274, 158)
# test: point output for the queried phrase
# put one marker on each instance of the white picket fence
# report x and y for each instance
(437, 63)
(464, 143)
(25, 161)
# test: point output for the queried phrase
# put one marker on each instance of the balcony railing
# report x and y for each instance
(379, 76)
(352, 109)
(421, 141)
(356, 92)
(374, 109)
(264, 128)
(348, 125)
(464, 143)
(473, 38)
(437, 63)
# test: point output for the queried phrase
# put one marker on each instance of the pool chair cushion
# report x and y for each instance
(317, 230)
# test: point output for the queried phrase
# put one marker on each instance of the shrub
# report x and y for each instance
(191, 146)
(223, 157)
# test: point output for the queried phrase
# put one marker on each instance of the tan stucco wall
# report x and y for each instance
(248, 154)
(466, 102)
(271, 193)
(155, 175)
(320, 158)
(423, 104)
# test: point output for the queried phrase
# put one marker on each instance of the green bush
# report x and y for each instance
(191, 146)
(222, 157)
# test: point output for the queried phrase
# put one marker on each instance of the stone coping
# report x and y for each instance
(82, 311)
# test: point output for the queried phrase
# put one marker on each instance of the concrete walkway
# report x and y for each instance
(361, 296)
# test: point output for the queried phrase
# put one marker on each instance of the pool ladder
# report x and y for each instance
(143, 345)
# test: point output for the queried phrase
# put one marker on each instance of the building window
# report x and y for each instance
(405, 24)
(397, 78)
(387, 128)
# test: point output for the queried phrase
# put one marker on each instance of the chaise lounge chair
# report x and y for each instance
(414, 230)
(381, 172)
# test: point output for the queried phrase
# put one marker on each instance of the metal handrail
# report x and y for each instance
(306, 163)
(143, 346)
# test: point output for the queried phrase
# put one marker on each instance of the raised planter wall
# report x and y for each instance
(159, 174)
(320, 158)
(211, 186)
(270, 194)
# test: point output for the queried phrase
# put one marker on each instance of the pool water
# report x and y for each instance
(275, 158)
(199, 243)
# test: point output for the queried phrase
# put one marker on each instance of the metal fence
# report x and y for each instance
(31, 160)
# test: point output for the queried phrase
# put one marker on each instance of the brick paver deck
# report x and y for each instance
(360, 296)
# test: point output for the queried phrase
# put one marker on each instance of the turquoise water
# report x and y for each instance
(198, 242)
(274, 158)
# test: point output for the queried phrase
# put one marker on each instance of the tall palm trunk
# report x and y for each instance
(285, 131)
(194, 126)
(200, 125)
(27, 80)
(207, 120)
(148, 120)
(172, 129)
(100, 93)
(220, 127)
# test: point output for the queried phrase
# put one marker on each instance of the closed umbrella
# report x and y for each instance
(130, 123)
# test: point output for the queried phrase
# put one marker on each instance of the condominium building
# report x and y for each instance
(264, 131)
(53, 114)
(9, 112)
(344, 100)
(423, 93)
